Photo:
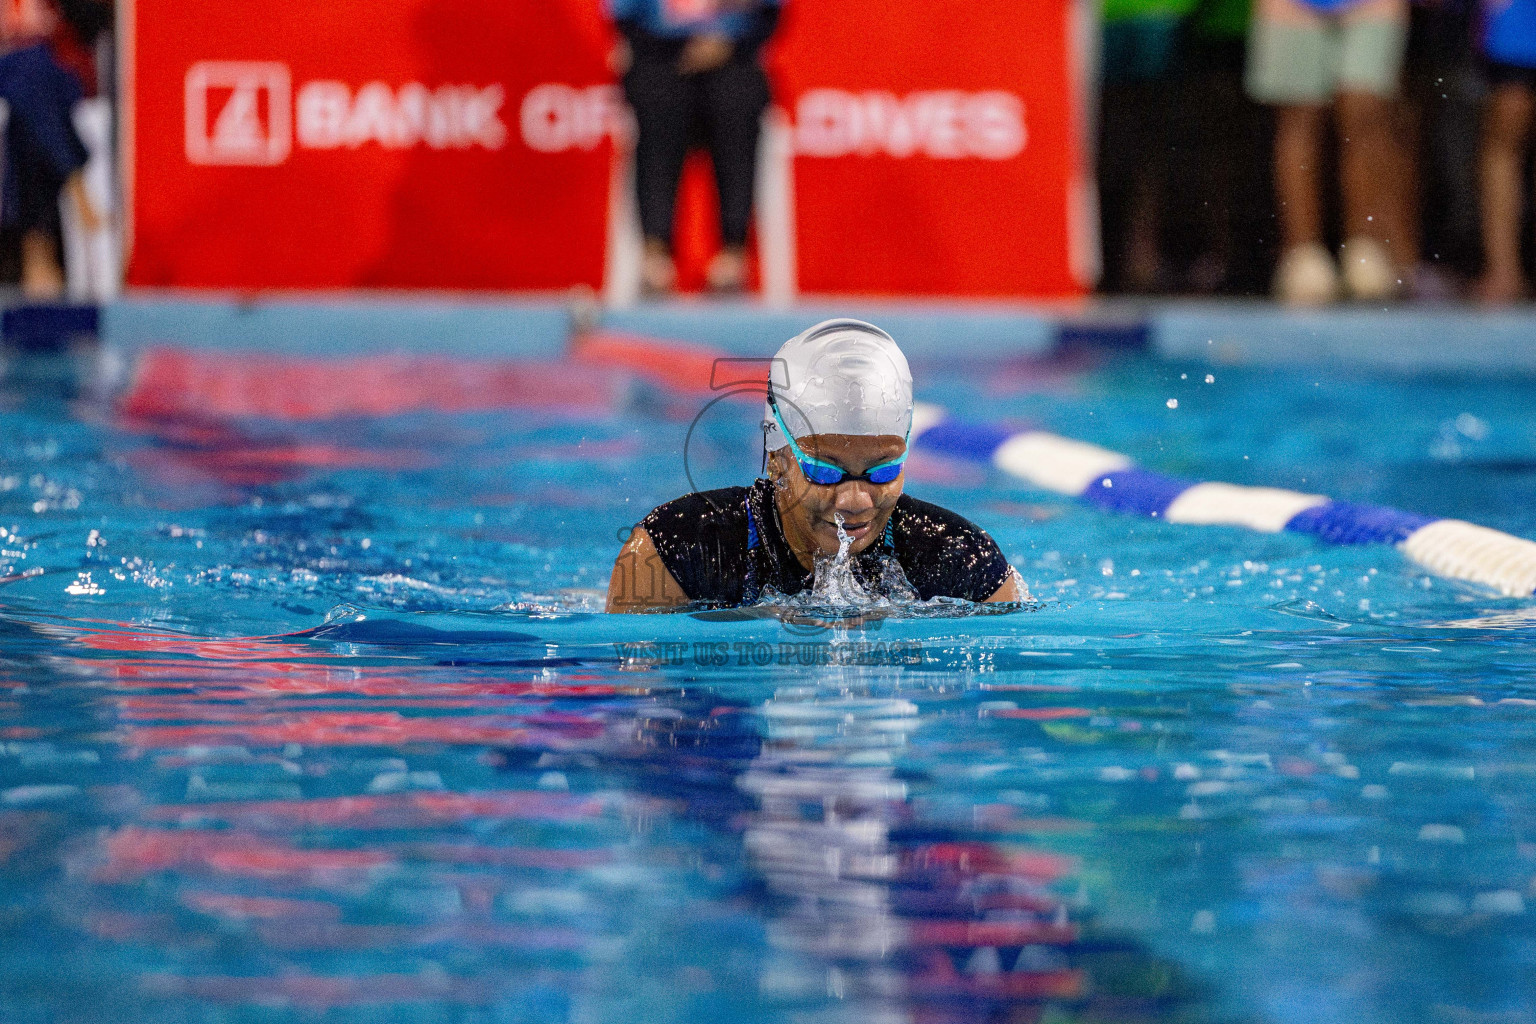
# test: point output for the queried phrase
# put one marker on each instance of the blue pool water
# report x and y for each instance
(319, 720)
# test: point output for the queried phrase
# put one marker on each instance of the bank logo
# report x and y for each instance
(239, 113)
(449, 117)
(242, 114)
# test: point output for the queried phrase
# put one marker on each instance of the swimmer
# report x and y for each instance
(836, 424)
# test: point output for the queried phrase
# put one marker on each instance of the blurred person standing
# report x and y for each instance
(1223, 224)
(691, 73)
(1444, 88)
(1141, 44)
(1305, 55)
(1509, 45)
(44, 155)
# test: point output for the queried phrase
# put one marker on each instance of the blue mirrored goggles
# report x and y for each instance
(826, 474)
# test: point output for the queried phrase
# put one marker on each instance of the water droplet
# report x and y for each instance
(345, 613)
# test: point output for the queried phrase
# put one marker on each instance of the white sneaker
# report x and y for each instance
(1307, 276)
(1368, 272)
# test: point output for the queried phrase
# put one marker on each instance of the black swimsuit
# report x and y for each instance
(726, 547)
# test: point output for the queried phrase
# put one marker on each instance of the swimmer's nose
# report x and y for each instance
(854, 497)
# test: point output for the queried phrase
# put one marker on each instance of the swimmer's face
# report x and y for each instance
(809, 510)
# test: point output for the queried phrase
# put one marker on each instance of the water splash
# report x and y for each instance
(835, 582)
(345, 612)
(839, 592)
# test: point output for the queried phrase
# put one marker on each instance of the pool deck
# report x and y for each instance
(1419, 338)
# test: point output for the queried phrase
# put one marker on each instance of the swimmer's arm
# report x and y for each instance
(1009, 591)
(640, 581)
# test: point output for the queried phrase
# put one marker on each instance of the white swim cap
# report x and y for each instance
(840, 377)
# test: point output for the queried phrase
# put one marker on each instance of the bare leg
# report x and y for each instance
(1505, 126)
(1298, 152)
(1372, 169)
(1306, 274)
(658, 274)
(42, 276)
(727, 271)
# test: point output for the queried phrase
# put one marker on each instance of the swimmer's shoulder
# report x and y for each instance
(724, 508)
(915, 514)
(945, 554)
(702, 540)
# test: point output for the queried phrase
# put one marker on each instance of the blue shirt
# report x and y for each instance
(678, 18)
(1329, 6)
(1510, 36)
(42, 97)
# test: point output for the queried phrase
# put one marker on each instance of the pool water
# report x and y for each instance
(320, 720)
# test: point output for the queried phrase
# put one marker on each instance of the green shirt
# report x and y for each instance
(1127, 10)
(1223, 19)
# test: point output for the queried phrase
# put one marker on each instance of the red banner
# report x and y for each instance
(469, 144)
(285, 144)
(935, 145)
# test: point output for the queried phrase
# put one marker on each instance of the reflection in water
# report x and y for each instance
(873, 913)
(881, 924)
(240, 831)
(347, 820)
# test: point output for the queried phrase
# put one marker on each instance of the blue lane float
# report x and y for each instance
(1111, 481)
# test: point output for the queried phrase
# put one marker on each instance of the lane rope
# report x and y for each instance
(1113, 482)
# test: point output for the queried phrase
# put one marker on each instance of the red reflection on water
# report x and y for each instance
(395, 810)
(130, 641)
(171, 383)
(1040, 714)
(227, 686)
(186, 457)
(939, 979)
(227, 689)
(286, 679)
(989, 933)
(190, 402)
(334, 729)
(990, 859)
(133, 852)
(255, 462)
(676, 365)
(325, 713)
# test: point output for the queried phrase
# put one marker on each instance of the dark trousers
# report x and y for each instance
(720, 109)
